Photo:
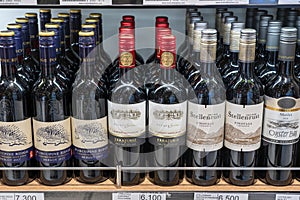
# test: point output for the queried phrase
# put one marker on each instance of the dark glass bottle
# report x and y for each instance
(75, 26)
(281, 115)
(204, 132)
(71, 56)
(226, 56)
(34, 38)
(45, 16)
(89, 116)
(281, 14)
(64, 73)
(250, 13)
(27, 63)
(291, 18)
(231, 68)
(16, 149)
(297, 56)
(51, 121)
(268, 70)
(260, 53)
(244, 115)
(167, 119)
(257, 16)
(218, 19)
(127, 117)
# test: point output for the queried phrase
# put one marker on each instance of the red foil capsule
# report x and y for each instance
(128, 18)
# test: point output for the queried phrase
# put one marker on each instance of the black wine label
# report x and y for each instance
(126, 141)
(167, 142)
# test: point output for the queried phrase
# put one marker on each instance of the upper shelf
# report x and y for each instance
(148, 3)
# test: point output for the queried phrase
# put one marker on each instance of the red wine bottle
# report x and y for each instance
(75, 26)
(281, 115)
(16, 149)
(127, 117)
(51, 121)
(45, 16)
(244, 115)
(167, 119)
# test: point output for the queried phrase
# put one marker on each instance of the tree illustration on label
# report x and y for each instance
(90, 133)
(55, 134)
(12, 135)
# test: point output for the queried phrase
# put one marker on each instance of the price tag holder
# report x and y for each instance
(22, 196)
(139, 196)
(287, 197)
(18, 2)
(168, 2)
(221, 2)
(86, 2)
(220, 196)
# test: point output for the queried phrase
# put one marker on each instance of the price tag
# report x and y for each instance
(287, 197)
(86, 2)
(139, 196)
(22, 196)
(221, 2)
(18, 2)
(289, 2)
(220, 196)
(168, 2)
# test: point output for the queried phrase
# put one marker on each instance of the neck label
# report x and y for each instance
(127, 60)
(167, 60)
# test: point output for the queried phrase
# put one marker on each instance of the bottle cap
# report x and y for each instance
(14, 26)
(288, 34)
(86, 33)
(219, 10)
(266, 17)
(63, 15)
(22, 20)
(274, 23)
(95, 15)
(91, 20)
(30, 15)
(126, 30)
(46, 33)
(248, 34)
(209, 34)
(200, 25)
(162, 25)
(128, 18)
(88, 26)
(230, 19)
(196, 19)
(6, 33)
(225, 14)
(128, 24)
(194, 14)
(264, 23)
(75, 11)
(168, 43)
(237, 25)
(56, 20)
(45, 10)
(51, 25)
(160, 19)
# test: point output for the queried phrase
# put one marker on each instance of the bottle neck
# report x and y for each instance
(286, 69)
(8, 61)
(19, 49)
(100, 30)
(234, 58)
(34, 38)
(272, 58)
(88, 57)
(286, 59)
(126, 64)
(246, 69)
(261, 48)
(75, 26)
(167, 75)
(48, 61)
(226, 48)
(167, 67)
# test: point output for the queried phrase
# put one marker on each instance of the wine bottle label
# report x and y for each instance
(247, 52)
(167, 60)
(19, 46)
(127, 60)
(287, 51)
(205, 129)
(167, 120)
(226, 39)
(243, 126)
(16, 145)
(281, 120)
(52, 140)
(90, 138)
(127, 120)
(208, 52)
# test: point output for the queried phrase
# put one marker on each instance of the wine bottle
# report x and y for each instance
(244, 113)
(249, 23)
(75, 26)
(268, 70)
(16, 149)
(89, 116)
(51, 121)
(45, 16)
(297, 56)
(63, 72)
(127, 117)
(257, 16)
(206, 116)
(281, 115)
(70, 54)
(231, 68)
(27, 64)
(191, 73)
(281, 14)
(226, 43)
(260, 57)
(167, 119)
(218, 19)
(34, 38)
(291, 18)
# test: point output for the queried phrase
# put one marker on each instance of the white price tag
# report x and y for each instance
(220, 196)
(288, 2)
(220, 2)
(22, 196)
(287, 197)
(18, 2)
(168, 2)
(86, 2)
(139, 196)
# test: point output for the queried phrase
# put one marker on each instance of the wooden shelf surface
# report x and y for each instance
(147, 186)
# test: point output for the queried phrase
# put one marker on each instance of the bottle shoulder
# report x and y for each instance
(12, 86)
(282, 86)
(126, 93)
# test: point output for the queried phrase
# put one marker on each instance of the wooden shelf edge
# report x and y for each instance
(146, 186)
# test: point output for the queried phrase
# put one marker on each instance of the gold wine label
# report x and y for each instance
(126, 59)
(167, 59)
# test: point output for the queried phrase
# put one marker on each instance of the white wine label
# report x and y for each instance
(243, 126)
(16, 145)
(282, 120)
(18, 2)
(52, 140)
(127, 120)
(167, 120)
(205, 129)
(90, 138)
(85, 2)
